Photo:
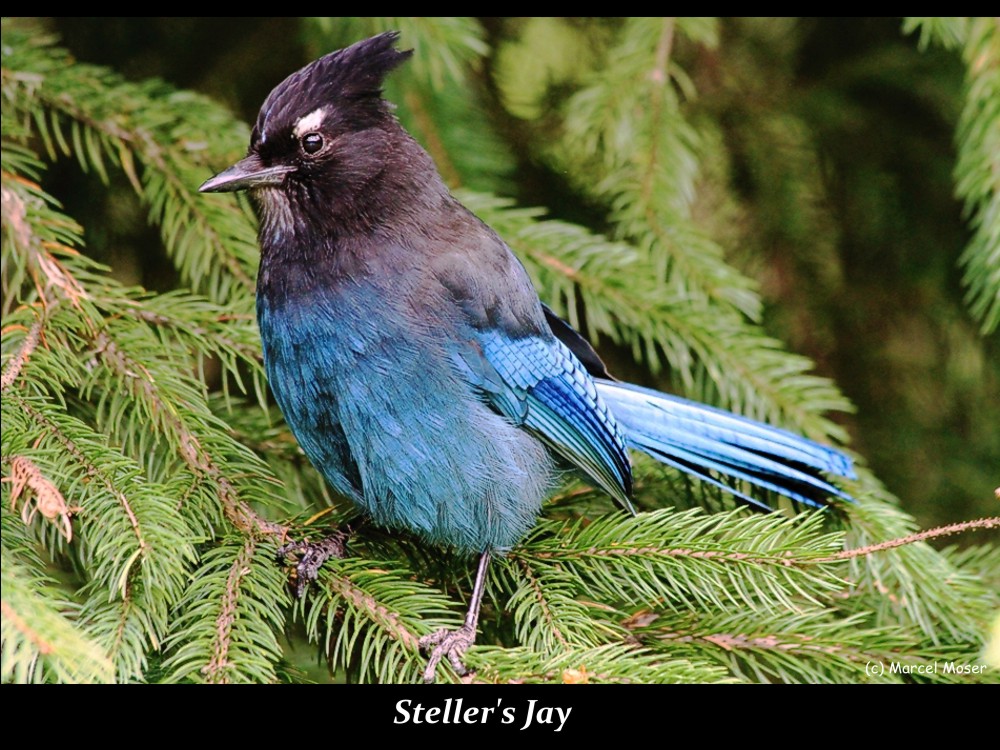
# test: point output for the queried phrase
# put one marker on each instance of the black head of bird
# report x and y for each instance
(327, 153)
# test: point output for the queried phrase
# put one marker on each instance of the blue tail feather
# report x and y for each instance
(705, 441)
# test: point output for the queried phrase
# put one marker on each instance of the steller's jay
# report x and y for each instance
(412, 358)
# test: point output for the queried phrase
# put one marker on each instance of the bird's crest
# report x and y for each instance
(353, 75)
(359, 70)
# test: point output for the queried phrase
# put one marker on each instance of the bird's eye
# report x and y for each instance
(312, 142)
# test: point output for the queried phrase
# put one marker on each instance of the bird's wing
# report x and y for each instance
(537, 383)
(507, 351)
(577, 344)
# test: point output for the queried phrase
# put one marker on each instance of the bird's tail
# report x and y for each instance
(709, 442)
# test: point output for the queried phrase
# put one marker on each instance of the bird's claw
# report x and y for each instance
(312, 555)
(450, 643)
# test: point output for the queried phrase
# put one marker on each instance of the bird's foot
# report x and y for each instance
(311, 556)
(450, 643)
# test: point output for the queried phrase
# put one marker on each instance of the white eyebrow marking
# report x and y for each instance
(309, 123)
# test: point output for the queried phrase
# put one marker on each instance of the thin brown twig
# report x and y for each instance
(568, 271)
(19, 360)
(46, 272)
(922, 536)
(15, 211)
(246, 351)
(19, 623)
(435, 145)
(542, 602)
(127, 603)
(789, 643)
(741, 557)
(388, 619)
(661, 78)
(217, 668)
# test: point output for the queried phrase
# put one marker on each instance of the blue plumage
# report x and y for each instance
(412, 358)
(375, 399)
(556, 399)
(700, 440)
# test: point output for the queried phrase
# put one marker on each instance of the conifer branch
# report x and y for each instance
(22, 626)
(608, 663)
(39, 639)
(539, 594)
(144, 148)
(247, 351)
(138, 379)
(47, 272)
(225, 624)
(89, 468)
(127, 610)
(978, 170)
(149, 126)
(977, 173)
(812, 646)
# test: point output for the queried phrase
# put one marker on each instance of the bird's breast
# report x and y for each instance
(366, 380)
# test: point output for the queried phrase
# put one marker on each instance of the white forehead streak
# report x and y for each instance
(310, 122)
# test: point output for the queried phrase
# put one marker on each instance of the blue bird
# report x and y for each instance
(411, 356)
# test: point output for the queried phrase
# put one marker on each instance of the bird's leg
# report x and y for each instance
(312, 555)
(454, 643)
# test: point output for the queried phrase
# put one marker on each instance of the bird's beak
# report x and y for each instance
(248, 173)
